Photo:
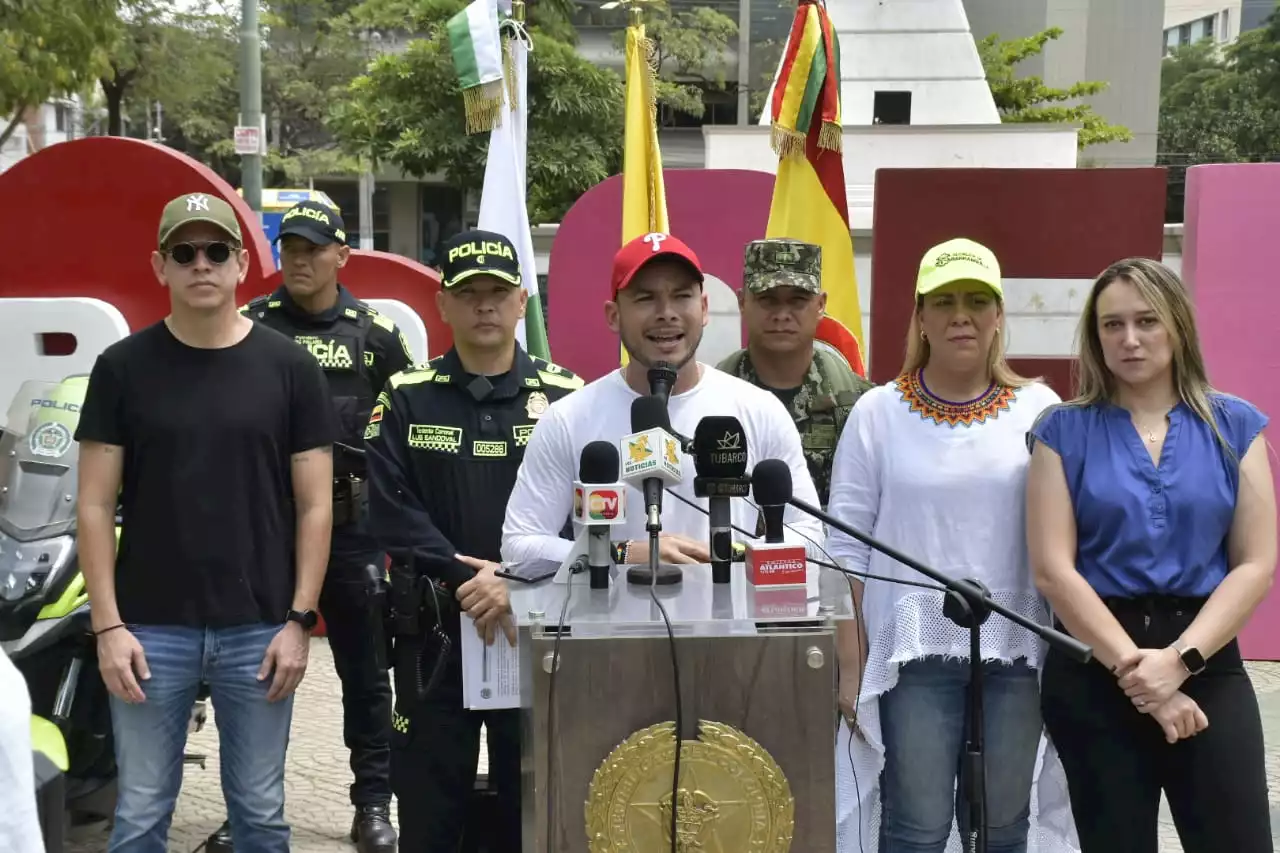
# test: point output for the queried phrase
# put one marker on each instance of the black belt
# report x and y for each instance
(1154, 604)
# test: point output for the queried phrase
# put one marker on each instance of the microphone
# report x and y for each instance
(651, 456)
(651, 459)
(774, 562)
(720, 458)
(599, 503)
(661, 377)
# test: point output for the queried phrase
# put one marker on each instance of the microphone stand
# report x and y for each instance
(652, 572)
(967, 603)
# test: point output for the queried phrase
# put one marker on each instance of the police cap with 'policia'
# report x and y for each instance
(315, 222)
(474, 253)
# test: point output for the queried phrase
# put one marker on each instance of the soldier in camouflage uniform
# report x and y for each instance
(782, 301)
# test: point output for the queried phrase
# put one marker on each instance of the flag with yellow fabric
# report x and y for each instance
(809, 201)
(644, 194)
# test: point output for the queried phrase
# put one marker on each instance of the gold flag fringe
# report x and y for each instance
(831, 137)
(483, 106)
(509, 73)
(787, 142)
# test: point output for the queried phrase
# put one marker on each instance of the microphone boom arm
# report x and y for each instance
(967, 603)
(970, 592)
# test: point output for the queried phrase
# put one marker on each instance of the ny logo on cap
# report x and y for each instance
(656, 239)
(197, 202)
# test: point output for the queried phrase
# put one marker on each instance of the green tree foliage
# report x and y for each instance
(1028, 99)
(1219, 106)
(689, 53)
(176, 53)
(49, 48)
(407, 109)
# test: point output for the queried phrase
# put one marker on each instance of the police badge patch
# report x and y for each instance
(536, 405)
(49, 439)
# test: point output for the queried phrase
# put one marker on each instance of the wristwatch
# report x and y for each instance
(1191, 657)
(306, 618)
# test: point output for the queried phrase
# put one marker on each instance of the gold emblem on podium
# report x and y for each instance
(733, 797)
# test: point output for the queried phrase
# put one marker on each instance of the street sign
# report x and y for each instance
(248, 140)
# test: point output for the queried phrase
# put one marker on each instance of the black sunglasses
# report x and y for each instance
(216, 251)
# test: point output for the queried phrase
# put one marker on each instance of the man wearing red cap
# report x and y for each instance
(659, 310)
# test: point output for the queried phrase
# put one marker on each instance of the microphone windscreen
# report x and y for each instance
(648, 413)
(771, 483)
(598, 463)
(720, 447)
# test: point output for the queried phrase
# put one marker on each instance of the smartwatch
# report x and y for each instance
(306, 618)
(1191, 658)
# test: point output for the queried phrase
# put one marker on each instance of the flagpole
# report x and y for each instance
(517, 10)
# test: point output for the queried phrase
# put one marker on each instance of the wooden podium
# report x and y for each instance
(758, 681)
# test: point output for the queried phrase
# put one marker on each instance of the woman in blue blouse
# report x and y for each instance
(1151, 524)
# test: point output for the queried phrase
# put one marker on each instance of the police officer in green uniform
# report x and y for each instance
(359, 350)
(444, 444)
(782, 301)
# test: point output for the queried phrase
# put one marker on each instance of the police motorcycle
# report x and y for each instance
(49, 754)
(45, 627)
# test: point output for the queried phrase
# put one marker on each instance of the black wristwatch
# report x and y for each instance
(306, 618)
(1191, 658)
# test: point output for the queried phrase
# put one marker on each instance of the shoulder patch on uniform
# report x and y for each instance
(383, 321)
(257, 303)
(556, 376)
(416, 376)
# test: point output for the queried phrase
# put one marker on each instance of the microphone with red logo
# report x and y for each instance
(775, 562)
(599, 503)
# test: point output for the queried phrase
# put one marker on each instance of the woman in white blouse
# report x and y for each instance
(934, 464)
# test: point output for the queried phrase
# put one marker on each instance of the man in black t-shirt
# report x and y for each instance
(214, 435)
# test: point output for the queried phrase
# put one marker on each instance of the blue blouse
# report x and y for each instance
(1144, 529)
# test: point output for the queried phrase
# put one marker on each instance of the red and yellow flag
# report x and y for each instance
(809, 201)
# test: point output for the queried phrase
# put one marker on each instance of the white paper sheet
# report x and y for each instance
(490, 674)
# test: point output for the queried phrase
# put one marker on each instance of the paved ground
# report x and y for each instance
(319, 811)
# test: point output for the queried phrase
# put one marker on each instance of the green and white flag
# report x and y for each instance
(477, 56)
(503, 206)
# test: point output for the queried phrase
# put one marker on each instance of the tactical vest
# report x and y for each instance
(340, 347)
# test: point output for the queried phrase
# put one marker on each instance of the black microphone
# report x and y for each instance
(598, 504)
(661, 377)
(771, 488)
(720, 458)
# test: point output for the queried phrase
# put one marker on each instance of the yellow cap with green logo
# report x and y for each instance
(958, 260)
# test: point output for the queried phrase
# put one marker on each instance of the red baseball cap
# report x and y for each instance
(643, 249)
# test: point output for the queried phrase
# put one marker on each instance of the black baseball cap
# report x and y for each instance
(473, 253)
(313, 221)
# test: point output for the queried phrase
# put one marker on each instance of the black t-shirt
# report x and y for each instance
(207, 492)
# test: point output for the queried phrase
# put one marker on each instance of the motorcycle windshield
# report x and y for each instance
(38, 459)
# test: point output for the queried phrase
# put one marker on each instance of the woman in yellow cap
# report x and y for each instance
(934, 464)
(1151, 520)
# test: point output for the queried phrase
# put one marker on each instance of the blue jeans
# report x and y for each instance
(922, 722)
(253, 735)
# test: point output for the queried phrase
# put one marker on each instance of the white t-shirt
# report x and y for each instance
(19, 823)
(543, 495)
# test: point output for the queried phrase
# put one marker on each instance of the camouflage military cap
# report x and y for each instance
(782, 263)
